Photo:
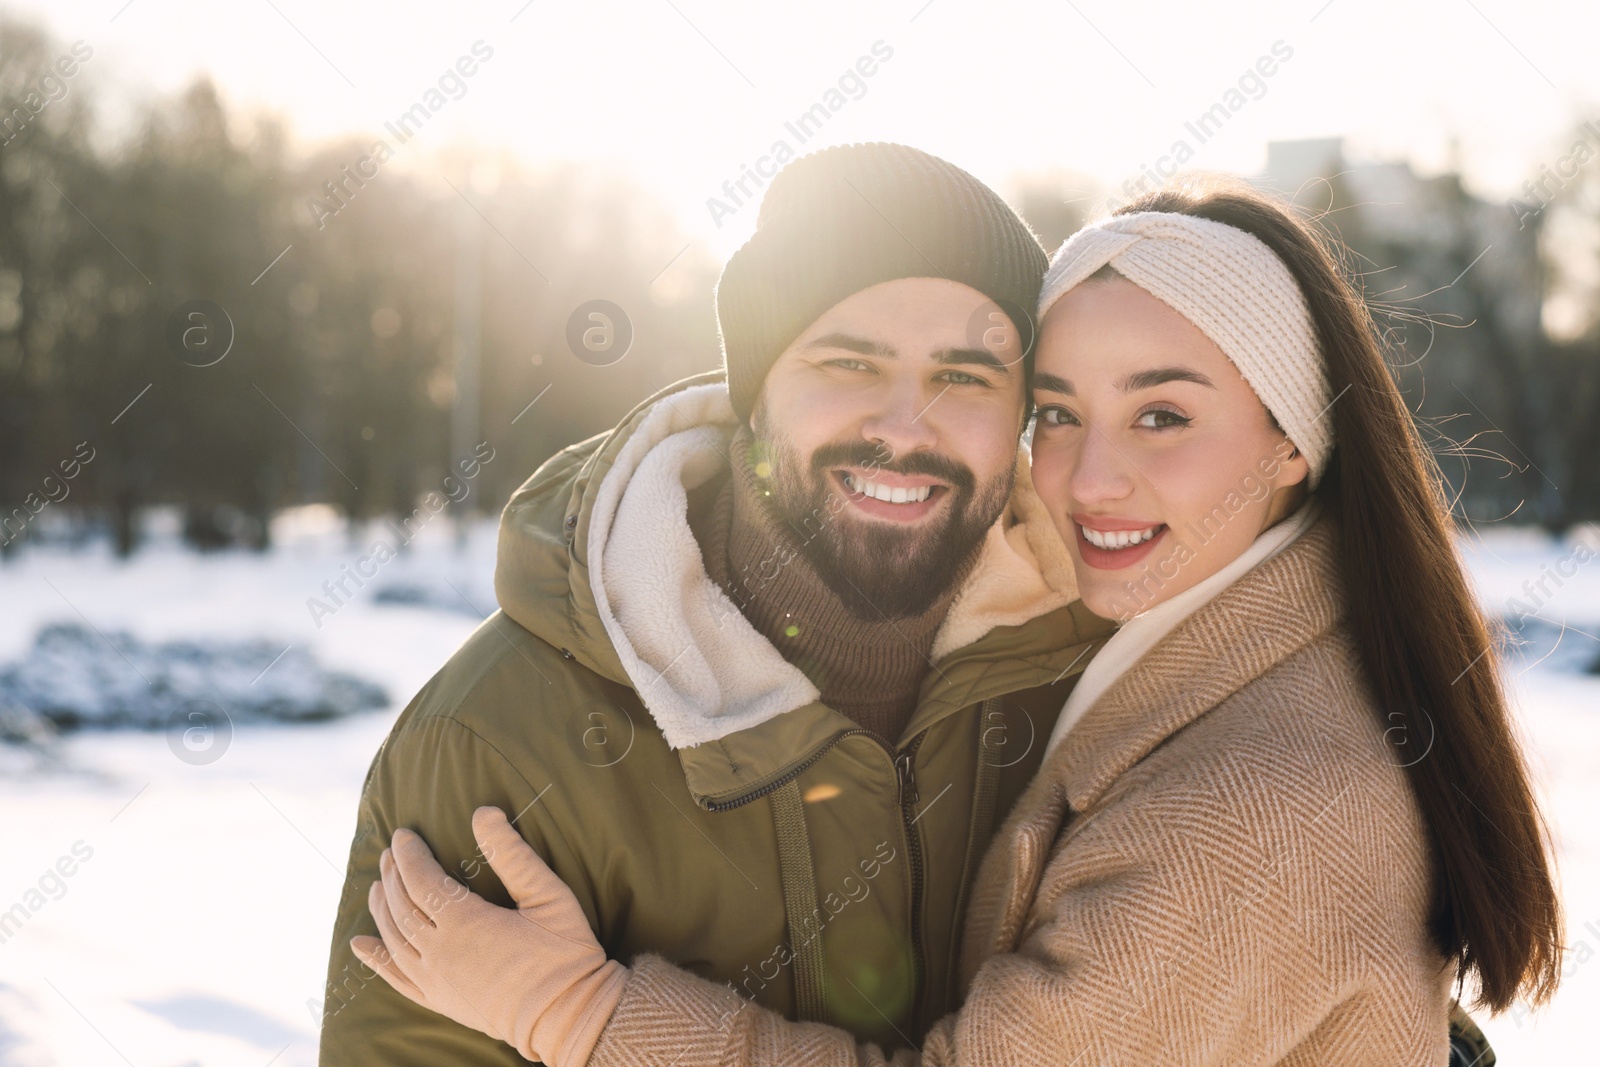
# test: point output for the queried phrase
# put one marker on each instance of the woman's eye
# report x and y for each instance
(1161, 419)
(1056, 416)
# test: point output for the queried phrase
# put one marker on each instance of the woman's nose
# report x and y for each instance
(1101, 472)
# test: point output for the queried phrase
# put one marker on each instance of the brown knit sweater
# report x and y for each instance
(869, 670)
(1220, 864)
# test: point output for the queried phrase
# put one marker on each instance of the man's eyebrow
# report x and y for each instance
(849, 343)
(1147, 379)
(1050, 383)
(969, 356)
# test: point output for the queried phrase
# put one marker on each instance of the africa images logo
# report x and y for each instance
(736, 192)
(338, 193)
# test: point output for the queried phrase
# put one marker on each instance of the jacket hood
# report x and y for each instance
(596, 556)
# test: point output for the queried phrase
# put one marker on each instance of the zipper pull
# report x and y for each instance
(908, 780)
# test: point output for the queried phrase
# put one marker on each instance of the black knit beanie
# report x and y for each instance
(846, 218)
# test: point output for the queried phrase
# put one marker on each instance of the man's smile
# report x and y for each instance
(888, 495)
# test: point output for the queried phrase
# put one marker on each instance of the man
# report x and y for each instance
(775, 656)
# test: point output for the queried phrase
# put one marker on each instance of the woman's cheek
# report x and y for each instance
(1051, 470)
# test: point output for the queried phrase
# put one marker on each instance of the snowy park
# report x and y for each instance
(206, 854)
(294, 298)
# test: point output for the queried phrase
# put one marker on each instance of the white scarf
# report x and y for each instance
(1142, 632)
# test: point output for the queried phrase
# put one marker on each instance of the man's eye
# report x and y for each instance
(845, 363)
(958, 377)
(1161, 419)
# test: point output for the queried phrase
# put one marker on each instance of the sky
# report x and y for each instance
(688, 93)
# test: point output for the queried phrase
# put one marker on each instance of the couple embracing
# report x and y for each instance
(1001, 661)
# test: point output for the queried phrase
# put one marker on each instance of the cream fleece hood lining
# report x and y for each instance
(697, 664)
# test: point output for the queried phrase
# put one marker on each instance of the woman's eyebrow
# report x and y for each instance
(1050, 383)
(1147, 379)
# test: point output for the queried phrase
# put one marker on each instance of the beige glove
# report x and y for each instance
(534, 977)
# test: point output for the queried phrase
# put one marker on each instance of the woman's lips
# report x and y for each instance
(1105, 558)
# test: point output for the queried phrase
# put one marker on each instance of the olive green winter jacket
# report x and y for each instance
(683, 778)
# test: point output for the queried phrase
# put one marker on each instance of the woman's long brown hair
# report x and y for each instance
(1424, 642)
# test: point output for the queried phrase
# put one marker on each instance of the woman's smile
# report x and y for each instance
(1109, 543)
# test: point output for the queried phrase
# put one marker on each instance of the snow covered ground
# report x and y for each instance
(196, 931)
(179, 901)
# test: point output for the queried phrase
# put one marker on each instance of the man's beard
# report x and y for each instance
(878, 569)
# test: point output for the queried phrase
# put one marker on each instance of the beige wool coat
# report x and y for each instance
(1221, 863)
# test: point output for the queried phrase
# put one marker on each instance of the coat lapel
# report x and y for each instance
(1009, 875)
(1263, 618)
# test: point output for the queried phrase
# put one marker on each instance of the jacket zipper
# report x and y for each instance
(904, 767)
(795, 772)
(906, 780)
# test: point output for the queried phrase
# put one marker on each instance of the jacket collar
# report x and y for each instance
(1269, 614)
(541, 574)
(699, 666)
(1016, 622)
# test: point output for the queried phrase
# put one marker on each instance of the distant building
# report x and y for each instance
(1457, 288)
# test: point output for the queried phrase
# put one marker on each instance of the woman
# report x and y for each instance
(1283, 814)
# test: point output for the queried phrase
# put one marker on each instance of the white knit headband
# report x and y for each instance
(1230, 285)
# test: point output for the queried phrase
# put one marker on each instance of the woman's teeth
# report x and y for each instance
(1114, 539)
(886, 494)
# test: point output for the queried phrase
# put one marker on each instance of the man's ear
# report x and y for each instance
(755, 407)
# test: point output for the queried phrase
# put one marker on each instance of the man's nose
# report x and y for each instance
(899, 419)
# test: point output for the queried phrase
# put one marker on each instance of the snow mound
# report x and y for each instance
(437, 595)
(1554, 646)
(76, 677)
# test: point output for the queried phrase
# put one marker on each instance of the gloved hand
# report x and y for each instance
(533, 977)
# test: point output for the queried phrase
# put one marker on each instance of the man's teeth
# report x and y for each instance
(1117, 538)
(886, 494)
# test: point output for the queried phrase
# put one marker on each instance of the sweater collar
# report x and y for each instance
(700, 668)
(868, 669)
(1260, 619)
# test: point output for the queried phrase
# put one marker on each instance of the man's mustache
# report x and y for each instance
(877, 457)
